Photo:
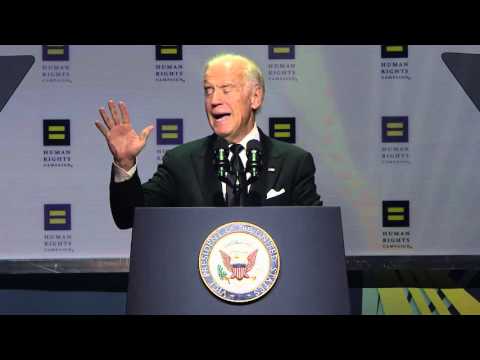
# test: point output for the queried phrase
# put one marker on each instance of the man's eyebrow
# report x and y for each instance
(208, 85)
(226, 85)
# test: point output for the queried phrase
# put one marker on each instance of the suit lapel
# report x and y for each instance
(267, 178)
(204, 170)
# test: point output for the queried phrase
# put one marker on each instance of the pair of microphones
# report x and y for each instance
(222, 165)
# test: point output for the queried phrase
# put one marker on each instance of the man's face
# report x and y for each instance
(230, 100)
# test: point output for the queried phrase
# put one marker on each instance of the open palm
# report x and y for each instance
(123, 141)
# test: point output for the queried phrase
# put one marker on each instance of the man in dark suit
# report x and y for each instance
(234, 91)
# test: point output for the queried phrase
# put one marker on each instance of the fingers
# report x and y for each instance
(106, 118)
(102, 128)
(146, 132)
(124, 112)
(115, 114)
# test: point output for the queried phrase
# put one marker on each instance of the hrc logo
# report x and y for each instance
(57, 217)
(283, 129)
(394, 51)
(396, 213)
(281, 52)
(169, 131)
(168, 52)
(56, 132)
(55, 52)
(395, 129)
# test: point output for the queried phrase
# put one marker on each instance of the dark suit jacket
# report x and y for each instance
(187, 179)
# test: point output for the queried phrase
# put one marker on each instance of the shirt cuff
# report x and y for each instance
(121, 175)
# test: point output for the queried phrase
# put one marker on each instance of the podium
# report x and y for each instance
(164, 273)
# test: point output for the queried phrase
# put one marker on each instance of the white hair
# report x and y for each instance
(252, 71)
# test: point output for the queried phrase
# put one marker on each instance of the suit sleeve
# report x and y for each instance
(159, 191)
(305, 190)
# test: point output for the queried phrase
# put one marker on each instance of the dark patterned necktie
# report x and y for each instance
(236, 168)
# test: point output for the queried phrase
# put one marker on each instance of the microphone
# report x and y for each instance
(220, 157)
(254, 159)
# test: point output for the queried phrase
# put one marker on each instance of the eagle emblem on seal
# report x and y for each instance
(239, 270)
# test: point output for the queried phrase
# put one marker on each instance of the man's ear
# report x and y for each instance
(257, 97)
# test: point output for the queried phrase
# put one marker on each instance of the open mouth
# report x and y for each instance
(221, 117)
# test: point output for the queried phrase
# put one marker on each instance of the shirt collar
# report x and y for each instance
(252, 135)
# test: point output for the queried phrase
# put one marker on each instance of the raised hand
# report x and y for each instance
(124, 143)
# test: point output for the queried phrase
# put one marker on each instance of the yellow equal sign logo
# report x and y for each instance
(282, 130)
(396, 213)
(395, 48)
(56, 132)
(394, 51)
(57, 217)
(395, 129)
(281, 52)
(55, 52)
(169, 131)
(168, 52)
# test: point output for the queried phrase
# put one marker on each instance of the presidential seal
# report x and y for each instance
(239, 262)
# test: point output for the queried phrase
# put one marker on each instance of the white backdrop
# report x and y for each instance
(338, 96)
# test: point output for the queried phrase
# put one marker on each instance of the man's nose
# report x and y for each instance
(217, 97)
